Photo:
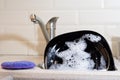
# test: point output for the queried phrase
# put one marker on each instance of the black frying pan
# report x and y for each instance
(96, 49)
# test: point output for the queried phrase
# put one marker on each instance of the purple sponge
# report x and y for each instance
(18, 65)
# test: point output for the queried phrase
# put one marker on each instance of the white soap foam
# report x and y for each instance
(92, 38)
(75, 56)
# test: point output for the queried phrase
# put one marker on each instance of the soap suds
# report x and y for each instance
(75, 56)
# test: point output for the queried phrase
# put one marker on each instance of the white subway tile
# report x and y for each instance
(69, 28)
(99, 17)
(1, 4)
(32, 52)
(38, 49)
(18, 32)
(14, 17)
(112, 30)
(28, 4)
(39, 34)
(61, 29)
(112, 3)
(12, 48)
(77, 4)
(65, 17)
(97, 28)
(2, 30)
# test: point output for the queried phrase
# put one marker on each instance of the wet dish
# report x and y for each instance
(95, 46)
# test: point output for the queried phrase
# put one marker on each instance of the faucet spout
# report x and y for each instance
(51, 26)
(37, 20)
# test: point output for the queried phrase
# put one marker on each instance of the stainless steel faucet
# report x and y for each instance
(51, 26)
(48, 30)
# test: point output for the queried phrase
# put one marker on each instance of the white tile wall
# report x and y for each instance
(14, 17)
(12, 48)
(18, 32)
(114, 4)
(28, 4)
(112, 31)
(99, 17)
(69, 28)
(1, 4)
(77, 4)
(97, 28)
(102, 16)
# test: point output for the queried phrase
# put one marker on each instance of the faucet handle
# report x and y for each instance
(33, 18)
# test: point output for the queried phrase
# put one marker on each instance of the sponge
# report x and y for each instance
(18, 65)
